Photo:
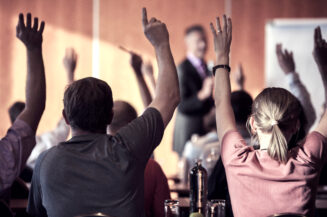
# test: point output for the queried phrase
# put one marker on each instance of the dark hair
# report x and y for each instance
(15, 110)
(88, 104)
(123, 114)
(242, 104)
(194, 28)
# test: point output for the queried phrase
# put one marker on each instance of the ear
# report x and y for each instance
(253, 125)
(65, 117)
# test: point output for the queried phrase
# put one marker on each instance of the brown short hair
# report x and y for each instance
(88, 104)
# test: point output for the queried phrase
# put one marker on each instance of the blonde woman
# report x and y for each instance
(272, 179)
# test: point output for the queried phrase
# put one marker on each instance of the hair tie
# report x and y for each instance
(273, 122)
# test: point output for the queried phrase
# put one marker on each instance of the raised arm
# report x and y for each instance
(136, 63)
(239, 77)
(224, 113)
(320, 56)
(286, 62)
(31, 36)
(166, 96)
(70, 62)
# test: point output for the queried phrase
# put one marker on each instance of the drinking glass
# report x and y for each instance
(216, 208)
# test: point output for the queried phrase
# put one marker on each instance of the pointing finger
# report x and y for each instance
(144, 18)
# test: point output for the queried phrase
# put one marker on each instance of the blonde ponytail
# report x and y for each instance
(277, 148)
(272, 110)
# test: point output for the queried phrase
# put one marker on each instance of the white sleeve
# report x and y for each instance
(48, 140)
(301, 93)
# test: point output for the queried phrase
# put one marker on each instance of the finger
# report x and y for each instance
(21, 23)
(213, 29)
(319, 33)
(278, 49)
(225, 23)
(218, 24)
(41, 27)
(229, 29)
(36, 24)
(28, 20)
(316, 37)
(144, 18)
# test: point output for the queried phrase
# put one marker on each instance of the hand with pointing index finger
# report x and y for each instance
(30, 35)
(154, 30)
(222, 39)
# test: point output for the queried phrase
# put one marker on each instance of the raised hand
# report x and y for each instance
(30, 36)
(285, 59)
(155, 30)
(207, 88)
(320, 49)
(147, 68)
(239, 77)
(222, 39)
(136, 63)
(70, 61)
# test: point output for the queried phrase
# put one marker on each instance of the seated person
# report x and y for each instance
(95, 172)
(19, 141)
(207, 147)
(273, 173)
(156, 189)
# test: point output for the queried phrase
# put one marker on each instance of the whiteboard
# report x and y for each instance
(295, 35)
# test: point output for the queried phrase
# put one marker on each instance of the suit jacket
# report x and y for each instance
(189, 119)
(190, 83)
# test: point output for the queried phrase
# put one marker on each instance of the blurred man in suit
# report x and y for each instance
(196, 85)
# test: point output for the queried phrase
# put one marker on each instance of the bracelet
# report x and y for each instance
(220, 66)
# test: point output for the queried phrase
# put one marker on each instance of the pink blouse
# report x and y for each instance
(261, 186)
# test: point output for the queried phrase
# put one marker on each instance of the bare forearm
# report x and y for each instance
(323, 72)
(144, 90)
(35, 87)
(167, 89)
(167, 86)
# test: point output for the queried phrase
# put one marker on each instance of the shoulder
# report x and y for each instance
(233, 145)
(315, 136)
(184, 65)
(22, 128)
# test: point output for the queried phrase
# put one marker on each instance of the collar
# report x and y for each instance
(194, 60)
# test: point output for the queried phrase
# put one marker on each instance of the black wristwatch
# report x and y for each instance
(220, 66)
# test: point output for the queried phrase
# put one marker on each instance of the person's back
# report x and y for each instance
(95, 172)
(253, 177)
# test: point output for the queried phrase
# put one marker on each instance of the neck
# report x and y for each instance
(264, 139)
(79, 132)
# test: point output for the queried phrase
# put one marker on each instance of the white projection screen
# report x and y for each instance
(295, 35)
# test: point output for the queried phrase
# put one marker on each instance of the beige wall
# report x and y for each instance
(69, 24)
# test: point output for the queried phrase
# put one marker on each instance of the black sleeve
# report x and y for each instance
(190, 104)
(144, 134)
(34, 206)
